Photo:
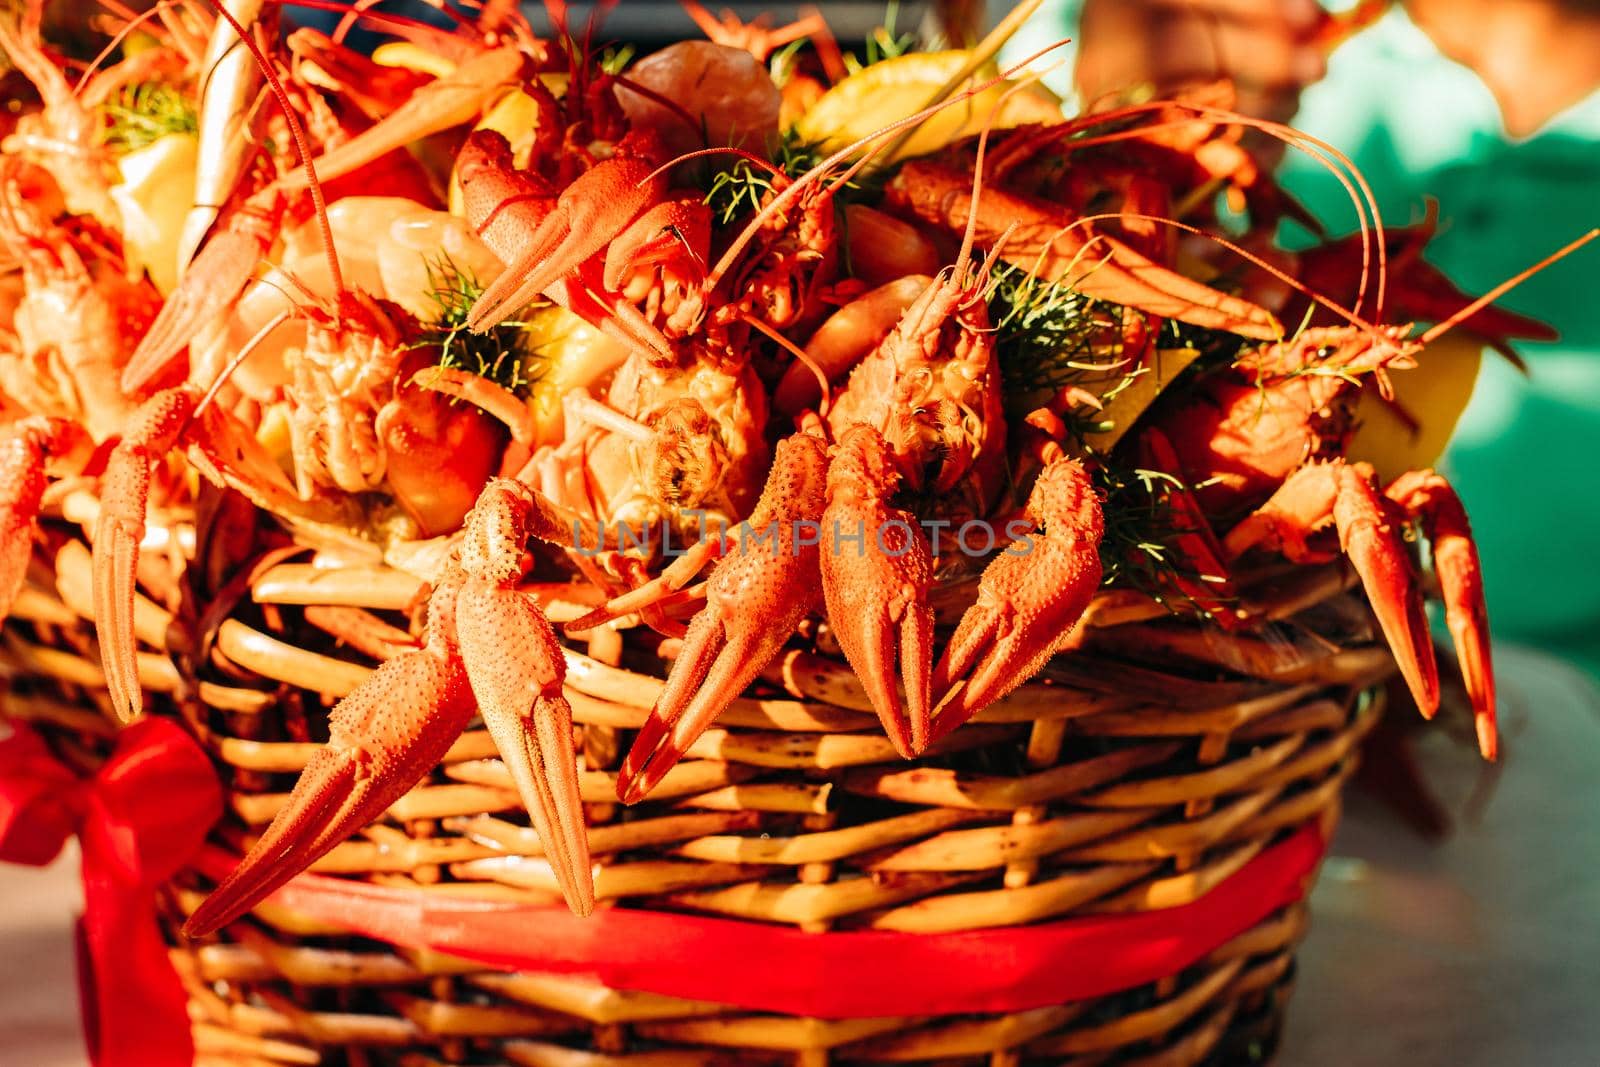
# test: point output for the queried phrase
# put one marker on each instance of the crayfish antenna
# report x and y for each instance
(755, 598)
(1483, 302)
(1030, 597)
(1045, 239)
(383, 738)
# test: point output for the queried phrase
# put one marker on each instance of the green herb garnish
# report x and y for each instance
(501, 353)
(883, 42)
(1140, 549)
(1049, 335)
(143, 113)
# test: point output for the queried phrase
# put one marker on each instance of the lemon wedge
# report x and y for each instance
(153, 198)
(514, 115)
(412, 57)
(897, 88)
(1430, 399)
(572, 354)
(1131, 398)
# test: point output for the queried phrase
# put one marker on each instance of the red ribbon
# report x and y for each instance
(139, 820)
(838, 975)
(145, 814)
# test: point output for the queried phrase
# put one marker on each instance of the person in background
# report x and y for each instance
(1492, 108)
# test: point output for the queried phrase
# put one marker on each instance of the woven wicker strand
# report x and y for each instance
(1138, 772)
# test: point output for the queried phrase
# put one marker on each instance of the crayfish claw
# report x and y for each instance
(1030, 598)
(516, 669)
(896, 633)
(212, 282)
(877, 594)
(1369, 535)
(718, 661)
(383, 738)
(755, 597)
(116, 562)
(452, 100)
(118, 532)
(1427, 495)
(23, 479)
(326, 787)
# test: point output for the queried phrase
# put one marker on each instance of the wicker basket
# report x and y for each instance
(1138, 773)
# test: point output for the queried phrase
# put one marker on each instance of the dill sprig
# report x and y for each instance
(501, 353)
(1140, 548)
(795, 156)
(1049, 335)
(736, 190)
(883, 42)
(1216, 347)
(614, 59)
(143, 113)
(785, 62)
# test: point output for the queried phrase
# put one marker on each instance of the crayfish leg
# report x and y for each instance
(660, 590)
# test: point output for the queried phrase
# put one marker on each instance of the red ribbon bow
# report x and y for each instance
(139, 821)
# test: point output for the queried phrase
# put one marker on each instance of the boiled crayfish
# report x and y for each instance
(919, 414)
(1263, 444)
(818, 380)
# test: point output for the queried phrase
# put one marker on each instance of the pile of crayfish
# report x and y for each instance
(724, 335)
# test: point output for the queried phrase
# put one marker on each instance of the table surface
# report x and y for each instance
(1481, 951)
